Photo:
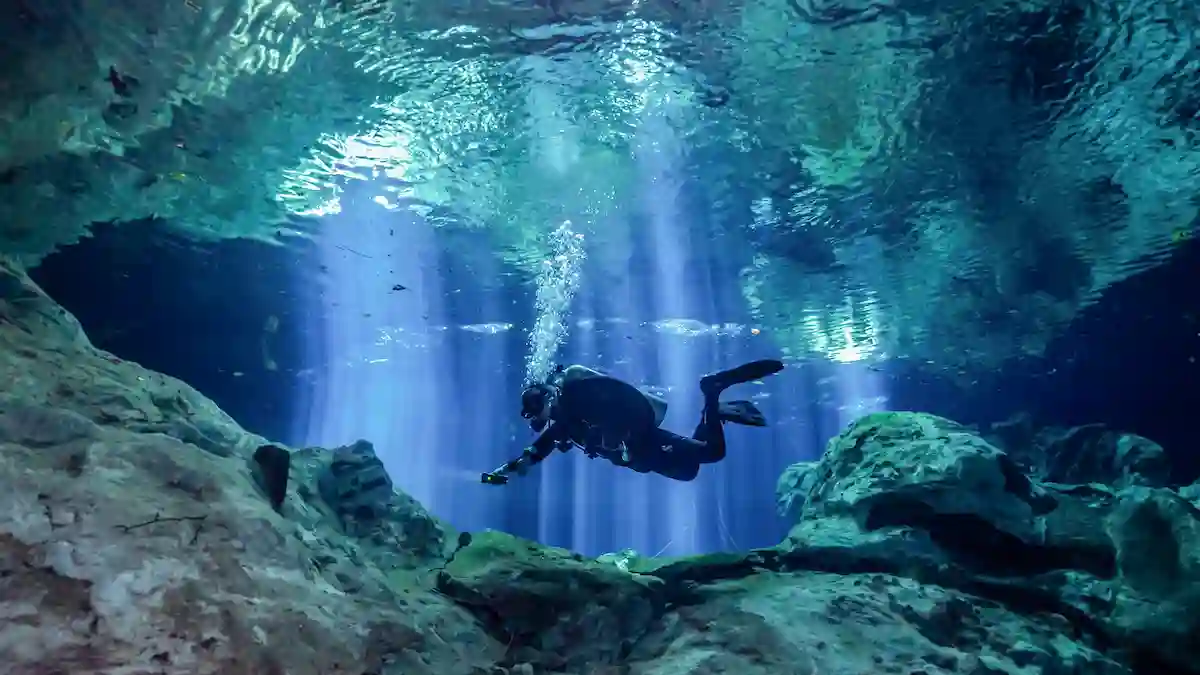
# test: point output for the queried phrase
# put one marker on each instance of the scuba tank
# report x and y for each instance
(613, 410)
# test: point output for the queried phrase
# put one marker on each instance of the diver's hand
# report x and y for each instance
(490, 478)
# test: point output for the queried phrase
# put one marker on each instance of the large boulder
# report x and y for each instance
(890, 469)
(1156, 534)
(807, 623)
(133, 552)
(349, 488)
(921, 496)
(355, 483)
(555, 609)
(1091, 453)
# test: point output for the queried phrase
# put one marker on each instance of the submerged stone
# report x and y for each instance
(923, 497)
(355, 483)
(556, 609)
(1091, 453)
(894, 467)
(1096, 454)
(349, 489)
(271, 466)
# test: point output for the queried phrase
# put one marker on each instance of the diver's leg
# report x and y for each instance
(707, 444)
(668, 454)
(708, 440)
(710, 431)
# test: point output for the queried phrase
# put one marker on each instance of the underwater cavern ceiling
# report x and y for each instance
(949, 182)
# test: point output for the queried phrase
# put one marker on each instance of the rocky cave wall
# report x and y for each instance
(136, 537)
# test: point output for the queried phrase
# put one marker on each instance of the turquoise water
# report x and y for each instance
(967, 230)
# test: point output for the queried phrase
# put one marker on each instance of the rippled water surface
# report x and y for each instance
(945, 181)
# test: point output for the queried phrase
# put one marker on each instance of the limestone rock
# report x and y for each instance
(834, 624)
(1091, 453)
(133, 539)
(555, 609)
(1096, 454)
(346, 491)
(892, 468)
(791, 491)
(355, 483)
(1191, 493)
(921, 497)
(130, 552)
(1156, 534)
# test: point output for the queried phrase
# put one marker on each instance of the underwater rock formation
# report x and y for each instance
(47, 363)
(556, 610)
(1091, 453)
(355, 483)
(271, 468)
(130, 543)
(792, 487)
(1096, 454)
(924, 497)
(348, 489)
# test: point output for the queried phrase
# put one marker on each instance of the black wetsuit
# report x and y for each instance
(610, 418)
(599, 417)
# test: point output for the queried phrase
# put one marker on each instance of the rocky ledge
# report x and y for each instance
(142, 533)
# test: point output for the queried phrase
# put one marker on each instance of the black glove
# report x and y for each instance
(518, 466)
(489, 478)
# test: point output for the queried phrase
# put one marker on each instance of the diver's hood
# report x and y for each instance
(535, 399)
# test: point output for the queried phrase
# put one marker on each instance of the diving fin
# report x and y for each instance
(747, 372)
(742, 412)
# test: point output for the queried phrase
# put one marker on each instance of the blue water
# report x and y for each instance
(442, 411)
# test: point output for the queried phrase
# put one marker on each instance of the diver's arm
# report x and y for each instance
(547, 441)
(539, 450)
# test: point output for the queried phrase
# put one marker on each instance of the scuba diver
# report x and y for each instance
(610, 418)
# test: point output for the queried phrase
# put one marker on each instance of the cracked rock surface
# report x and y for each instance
(925, 497)
(135, 539)
(1092, 453)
